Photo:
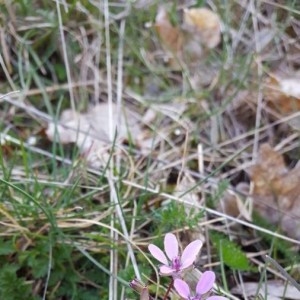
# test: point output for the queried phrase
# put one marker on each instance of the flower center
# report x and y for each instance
(176, 264)
(197, 297)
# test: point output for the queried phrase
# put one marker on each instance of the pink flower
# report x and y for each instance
(173, 263)
(204, 285)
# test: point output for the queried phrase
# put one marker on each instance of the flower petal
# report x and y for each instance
(158, 254)
(182, 288)
(171, 245)
(206, 282)
(190, 253)
(216, 298)
(166, 271)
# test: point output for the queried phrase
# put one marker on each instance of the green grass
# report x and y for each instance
(69, 231)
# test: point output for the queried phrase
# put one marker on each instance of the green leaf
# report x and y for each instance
(7, 247)
(13, 287)
(230, 252)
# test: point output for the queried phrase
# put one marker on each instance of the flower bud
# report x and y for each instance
(141, 288)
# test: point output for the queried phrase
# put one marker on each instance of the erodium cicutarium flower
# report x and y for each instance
(174, 264)
(204, 286)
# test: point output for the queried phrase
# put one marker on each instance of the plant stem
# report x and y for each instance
(168, 290)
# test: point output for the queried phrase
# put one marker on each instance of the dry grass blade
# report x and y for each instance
(283, 272)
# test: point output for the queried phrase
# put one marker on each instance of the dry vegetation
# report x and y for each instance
(122, 121)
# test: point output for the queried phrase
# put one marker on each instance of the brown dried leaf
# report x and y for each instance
(276, 191)
(205, 26)
(200, 29)
(283, 94)
(291, 87)
(170, 36)
(268, 171)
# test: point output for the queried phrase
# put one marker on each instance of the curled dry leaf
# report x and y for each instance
(91, 131)
(290, 87)
(276, 191)
(283, 95)
(200, 29)
(205, 26)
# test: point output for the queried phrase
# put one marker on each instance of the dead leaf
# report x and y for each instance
(91, 131)
(290, 87)
(268, 169)
(200, 29)
(272, 290)
(204, 24)
(283, 95)
(170, 36)
(276, 191)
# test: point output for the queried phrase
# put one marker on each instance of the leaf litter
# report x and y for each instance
(90, 131)
(188, 42)
(274, 192)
